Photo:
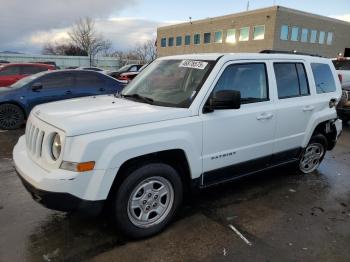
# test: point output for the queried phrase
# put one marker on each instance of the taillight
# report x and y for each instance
(340, 78)
(123, 78)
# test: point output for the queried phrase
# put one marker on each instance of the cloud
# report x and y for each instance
(342, 17)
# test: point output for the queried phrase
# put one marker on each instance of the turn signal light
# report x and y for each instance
(78, 167)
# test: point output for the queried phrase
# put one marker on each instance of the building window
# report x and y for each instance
(197, 39)
(329, 38)
(163, 42)
(295, 34)
(244, 34)
(187, 40)
(304, 35)
(179, 41)
(284, 32)
(313, 36)
(218, 37)
(259, 32)
(207, 37)
(322, 37)
(171, 41)
(231, 36)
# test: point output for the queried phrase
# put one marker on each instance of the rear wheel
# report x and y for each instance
(147, 200)
(313, 154)
(11, 117)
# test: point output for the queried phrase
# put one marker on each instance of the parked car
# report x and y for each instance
(4, 62)
(188, 122)
(17, 101)
(128, 76)
(124, 69)
(11, 73)
(342, 65)
(96, 69)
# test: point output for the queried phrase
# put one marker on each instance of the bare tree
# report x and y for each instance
(146, 52)
(85, 36)
(62, 49)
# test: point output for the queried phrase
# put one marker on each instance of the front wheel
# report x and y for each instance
(313, 154)
(147, 200)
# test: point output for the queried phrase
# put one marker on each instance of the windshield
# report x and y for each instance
(27, 79)
(173, 83)
(341, 64)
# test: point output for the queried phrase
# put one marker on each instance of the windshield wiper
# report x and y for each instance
(138, 97)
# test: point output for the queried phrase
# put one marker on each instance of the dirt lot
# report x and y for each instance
(286, 216)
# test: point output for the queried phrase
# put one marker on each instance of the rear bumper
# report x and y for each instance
(62, 201)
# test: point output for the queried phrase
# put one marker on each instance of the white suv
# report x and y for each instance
(185, 122)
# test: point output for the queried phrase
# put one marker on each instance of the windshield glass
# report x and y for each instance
(27, 79)
(173, 83)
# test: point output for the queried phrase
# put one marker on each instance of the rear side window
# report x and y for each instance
(30, 70)
(10, 70)
(90, 80)
(324, 79)
(57, 80)
(341, 64)
(291, 80)
(249, 79)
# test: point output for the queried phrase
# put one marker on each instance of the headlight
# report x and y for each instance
(56, 147)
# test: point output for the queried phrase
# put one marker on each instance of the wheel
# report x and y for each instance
(147, 200)
(11, 117)
(313, 154)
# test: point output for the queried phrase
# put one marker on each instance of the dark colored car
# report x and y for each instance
(124, 69)
(11, 73)
(17, 101)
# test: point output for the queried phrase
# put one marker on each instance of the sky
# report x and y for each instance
(26, 25)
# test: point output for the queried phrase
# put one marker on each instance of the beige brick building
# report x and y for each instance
(276, 28)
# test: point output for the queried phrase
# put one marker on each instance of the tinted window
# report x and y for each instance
(171, 41)
(57, 80)
(88, 80)
(323, 78)
(207, 37)
(163, 42)
(10, 70)
(284, 32)
(249, 79)
(30, 70)
(341, 64)
(291, 80)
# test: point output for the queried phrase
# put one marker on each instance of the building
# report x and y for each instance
(276, 28)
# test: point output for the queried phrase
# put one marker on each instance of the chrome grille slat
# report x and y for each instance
(39, 143)
(34, 139)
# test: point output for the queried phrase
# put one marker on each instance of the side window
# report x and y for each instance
(133, 69)
(30, 70)
(324, 79)
(10, 70)
(58, 80)
(291, 80)
(249, 79)
(88, 80)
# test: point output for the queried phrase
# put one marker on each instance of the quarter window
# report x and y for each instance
(295, 34)
(291, 80)
(231, 36)
(284, 32)
(179, 41)
(324, 79)
(187, 40)
(304, 35)
(197, 39)
(218, 37)
(259, 32)
(207, 38)
(249, 79)
(244, 34)
(171, 41)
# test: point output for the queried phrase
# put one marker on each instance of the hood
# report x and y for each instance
(92, 114)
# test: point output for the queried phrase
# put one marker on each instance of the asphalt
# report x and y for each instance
(279, 215)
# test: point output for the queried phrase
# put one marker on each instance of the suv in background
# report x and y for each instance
(342, 65)
(189, 121)
(11, 73)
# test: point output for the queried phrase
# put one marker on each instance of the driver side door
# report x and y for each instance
(237, 142)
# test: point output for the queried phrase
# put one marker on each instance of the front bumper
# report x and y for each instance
(62, 190)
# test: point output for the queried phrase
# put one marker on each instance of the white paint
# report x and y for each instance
(241, 235)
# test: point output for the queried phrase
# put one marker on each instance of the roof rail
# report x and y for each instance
(294, 52)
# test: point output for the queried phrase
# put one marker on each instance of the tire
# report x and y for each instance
(313, 154)
(157, 191)
(11, 117)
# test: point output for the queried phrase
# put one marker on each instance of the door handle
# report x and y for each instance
(68, 92)
(264, 116)
(308, 108)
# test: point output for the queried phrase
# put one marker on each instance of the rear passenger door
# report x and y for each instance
(295, 108)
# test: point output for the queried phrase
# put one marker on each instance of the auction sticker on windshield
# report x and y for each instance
(193, 64)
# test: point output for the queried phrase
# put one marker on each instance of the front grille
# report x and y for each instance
(34, 139)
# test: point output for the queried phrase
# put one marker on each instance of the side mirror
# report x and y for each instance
(225, 99)
(37, 86)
